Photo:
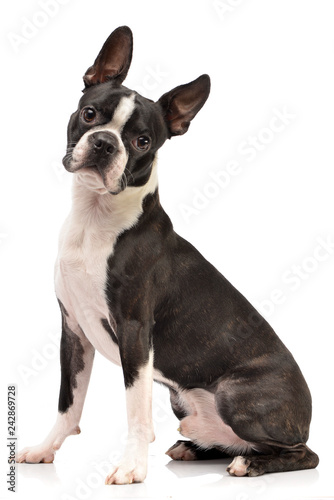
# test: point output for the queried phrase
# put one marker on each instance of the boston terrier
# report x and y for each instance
(130, 287)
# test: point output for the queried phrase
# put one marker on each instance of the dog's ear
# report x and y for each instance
(182, 104)
(114, 59)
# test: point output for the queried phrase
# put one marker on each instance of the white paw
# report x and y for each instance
(179, 451)
(36, 454)
(127, 473)
(238, 467)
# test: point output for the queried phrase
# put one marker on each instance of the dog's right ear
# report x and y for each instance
(114, 59)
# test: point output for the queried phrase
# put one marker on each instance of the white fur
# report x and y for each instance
(133, 465)
(238, 467)
(140, 396)
(158, 377)
(204, 426)
(122, 114)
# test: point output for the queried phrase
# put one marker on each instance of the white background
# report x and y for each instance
(261, 55)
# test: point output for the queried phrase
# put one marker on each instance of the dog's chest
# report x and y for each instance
(80, 279)
(87, 240)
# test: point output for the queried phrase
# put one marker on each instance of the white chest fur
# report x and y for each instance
(86, 242)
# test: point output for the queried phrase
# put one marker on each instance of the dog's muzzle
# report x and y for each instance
(102, 152)
(98, 150)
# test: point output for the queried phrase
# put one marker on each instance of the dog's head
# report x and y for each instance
(115, 133)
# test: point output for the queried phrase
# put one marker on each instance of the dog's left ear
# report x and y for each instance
(114, 59)
(182, 104)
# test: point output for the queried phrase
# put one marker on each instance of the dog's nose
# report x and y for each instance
(104, 143)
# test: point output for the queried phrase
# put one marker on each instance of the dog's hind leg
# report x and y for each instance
(76, 359)
(188, 450)
(296, 457)
(271, 410)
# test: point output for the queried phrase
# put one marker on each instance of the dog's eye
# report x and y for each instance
(142, 143)
(88, 114)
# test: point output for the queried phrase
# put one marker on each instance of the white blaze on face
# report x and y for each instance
(113, 173)
(122, 114)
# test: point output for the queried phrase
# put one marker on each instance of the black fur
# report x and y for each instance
(71, 361)
(111, 332)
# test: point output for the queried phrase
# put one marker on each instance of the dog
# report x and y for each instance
(130, 287)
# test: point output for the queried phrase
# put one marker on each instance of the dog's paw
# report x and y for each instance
(127, 474)
(36, 454)
(239, 467)
(180, 451)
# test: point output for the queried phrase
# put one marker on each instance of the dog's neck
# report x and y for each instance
(110, 212)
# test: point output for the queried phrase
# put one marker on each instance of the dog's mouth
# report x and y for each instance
(91, 178)
(94, 178)
(72, 165)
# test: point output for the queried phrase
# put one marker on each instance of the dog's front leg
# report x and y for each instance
(76, 359)
(137, 363)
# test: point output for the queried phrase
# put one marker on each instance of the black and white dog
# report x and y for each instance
(130, 287)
